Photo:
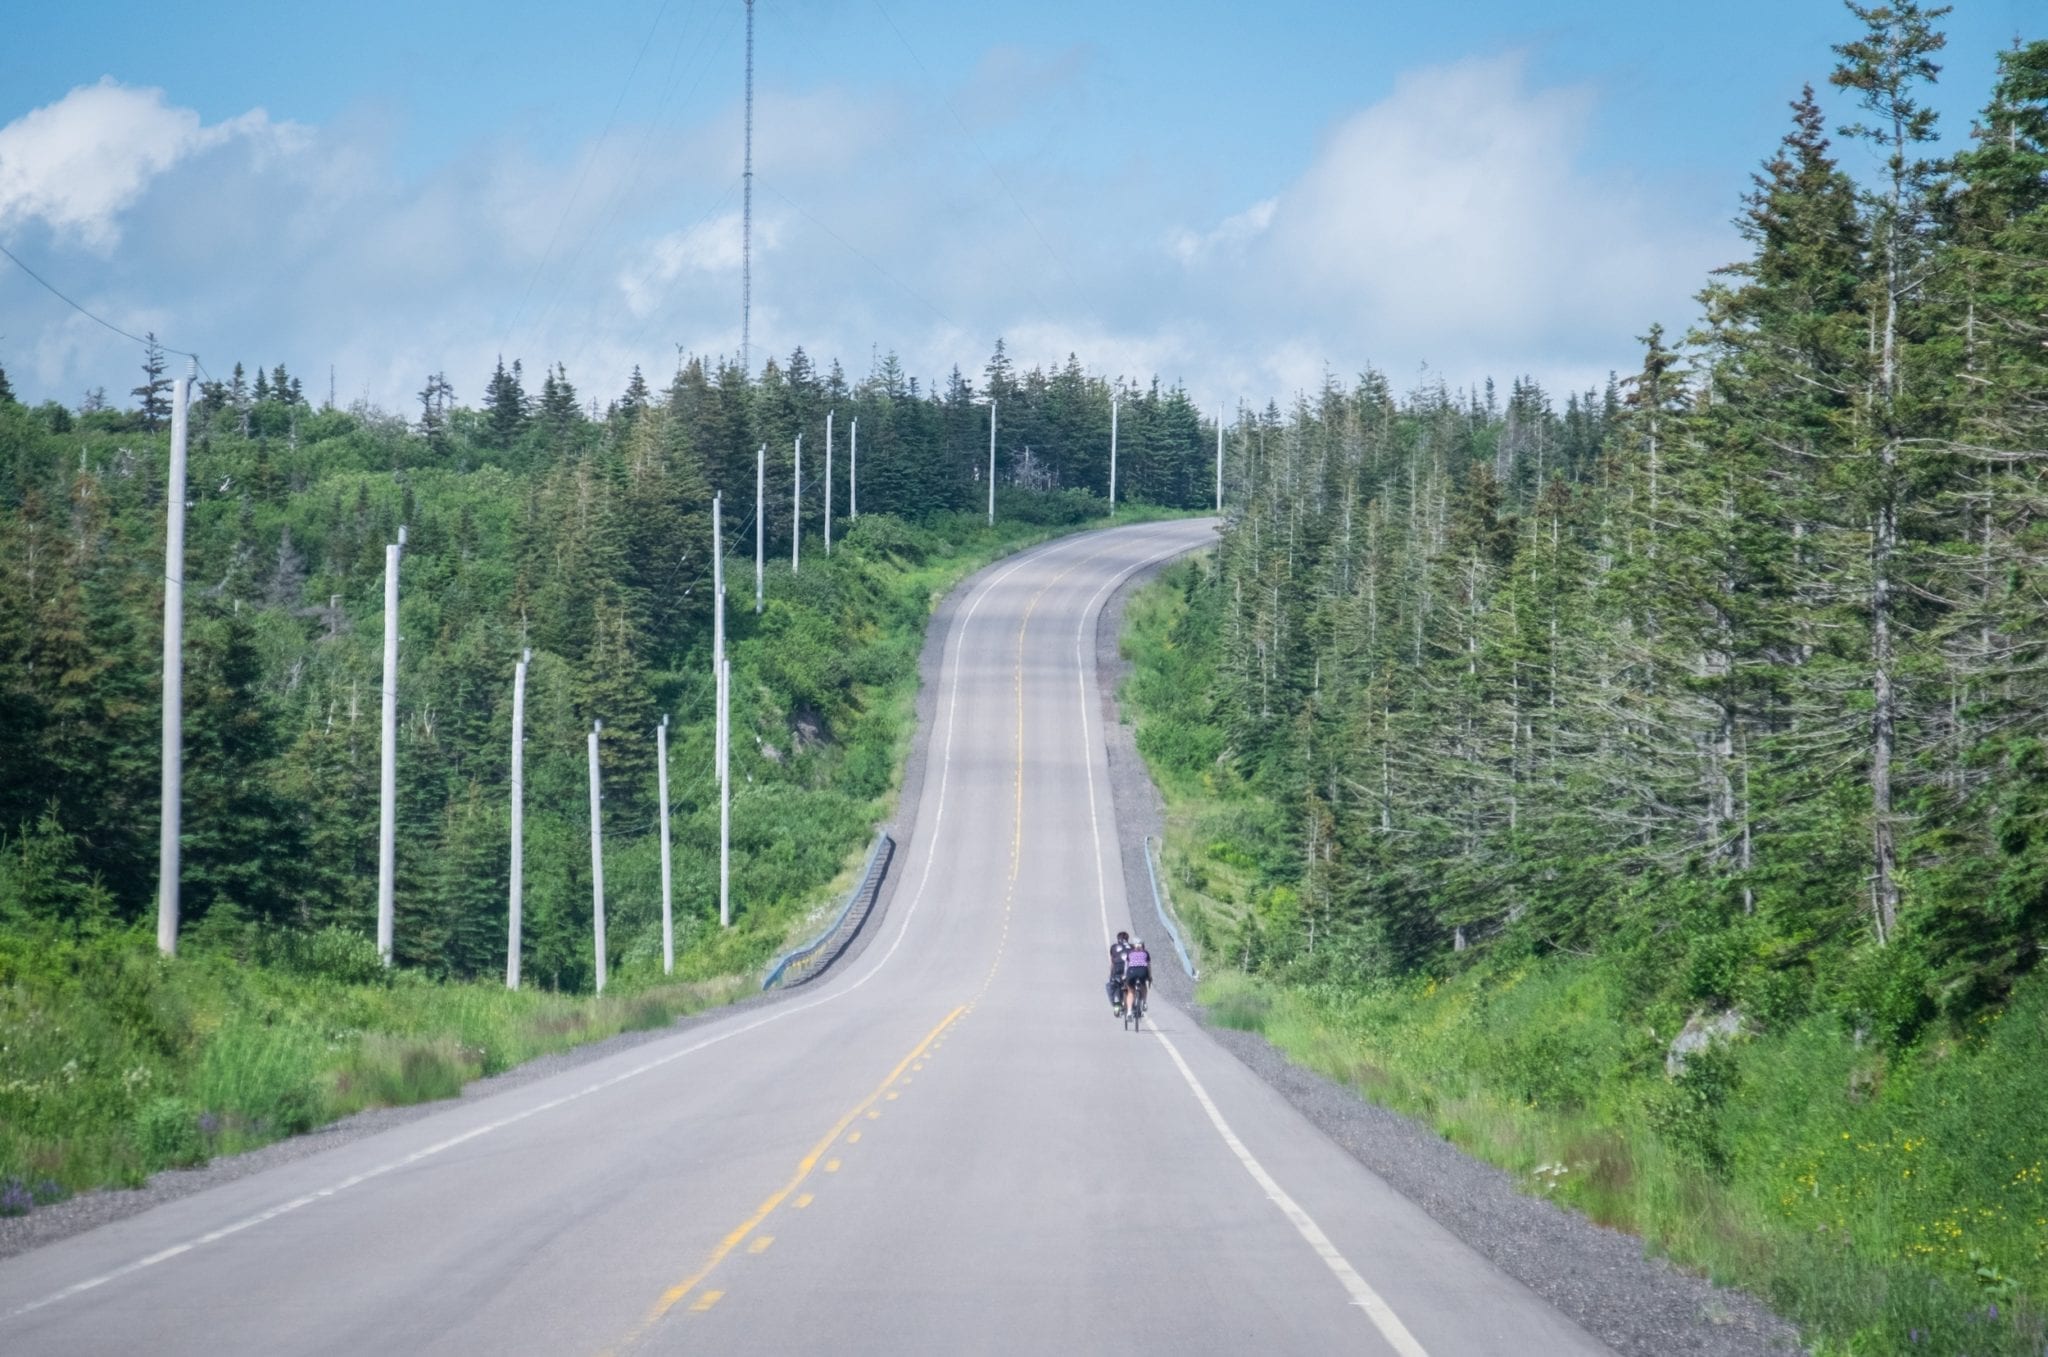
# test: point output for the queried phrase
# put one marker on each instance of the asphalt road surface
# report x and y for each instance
(947, 1146)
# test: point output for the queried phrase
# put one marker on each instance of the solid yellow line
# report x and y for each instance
(675, 1294)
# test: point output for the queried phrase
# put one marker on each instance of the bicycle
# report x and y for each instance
(1134, 1004)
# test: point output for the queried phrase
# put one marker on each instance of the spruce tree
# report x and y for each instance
(154, 393)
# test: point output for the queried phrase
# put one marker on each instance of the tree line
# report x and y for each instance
(1741, 662)
(535, 518)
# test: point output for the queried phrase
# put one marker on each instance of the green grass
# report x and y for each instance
(1867, 1197)
(119, 1062)
(1888, 1199)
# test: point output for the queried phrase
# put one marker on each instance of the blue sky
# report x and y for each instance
(1233, 197)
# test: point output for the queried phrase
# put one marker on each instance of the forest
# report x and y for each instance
(535, 519)
(1655, 789)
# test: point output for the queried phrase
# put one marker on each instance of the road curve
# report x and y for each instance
(947, 1146)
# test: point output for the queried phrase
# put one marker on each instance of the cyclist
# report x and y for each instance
(1137, 972)
(1115, 987)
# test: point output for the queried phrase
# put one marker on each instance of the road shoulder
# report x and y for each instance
(1600, 1278)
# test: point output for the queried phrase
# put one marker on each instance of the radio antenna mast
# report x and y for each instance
(747, 214)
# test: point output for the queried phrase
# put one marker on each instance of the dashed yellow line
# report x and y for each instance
(761, 1243)
(676, 1294)
(883, 1092)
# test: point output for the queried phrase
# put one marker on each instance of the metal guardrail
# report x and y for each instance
(808, 961)
(1165, 914)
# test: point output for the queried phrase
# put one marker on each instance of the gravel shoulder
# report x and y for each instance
(1602, 1279)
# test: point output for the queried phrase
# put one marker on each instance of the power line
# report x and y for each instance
(96, 319)
(627, 191)
(569, 204)
(747, 216)
(989, 164)
(913, 293)
(655, 315)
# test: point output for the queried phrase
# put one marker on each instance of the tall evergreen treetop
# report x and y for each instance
(154, 393)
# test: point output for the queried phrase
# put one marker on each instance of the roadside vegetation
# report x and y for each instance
(1887, 1195)
(1650, 794)
(532, 522)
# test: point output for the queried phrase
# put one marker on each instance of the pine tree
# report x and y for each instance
(504, 407)
(1886, 67)
(154, 393)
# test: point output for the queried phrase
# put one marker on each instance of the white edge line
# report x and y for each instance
(1362, 1295)
(1088, 746)
(958, 640)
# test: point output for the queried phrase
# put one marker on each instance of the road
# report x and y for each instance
(947, 1146)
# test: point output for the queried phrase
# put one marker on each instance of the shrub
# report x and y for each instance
(167, 1133)
(1237, 1004)
(263, 1075)
(340, 955)
(394, 1072)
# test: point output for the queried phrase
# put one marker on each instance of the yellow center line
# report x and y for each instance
(1017, 781)
(883, 1091)
(676, 1294)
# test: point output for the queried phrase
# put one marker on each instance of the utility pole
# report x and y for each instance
(760, 521)
(174, 670)
(991, 463)
(725, 794)
(717, 582)
(796, 511)
(853, 473)
(1219, 459)
(596, 855)
(747, 215)
(668, 929)
(721, 673)
(514, 914)
(387, 794)
(1112, 454)
(828, 482)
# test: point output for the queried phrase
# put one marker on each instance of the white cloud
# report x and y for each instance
(1454, 202)
(78, 163)
(711, 247)
(1456, 224)
(1191, 247)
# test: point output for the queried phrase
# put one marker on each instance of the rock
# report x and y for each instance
(807, 729)
(1701, 1032)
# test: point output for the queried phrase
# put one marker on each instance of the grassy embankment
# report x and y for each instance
(115, 1062)
(1889, 1197)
